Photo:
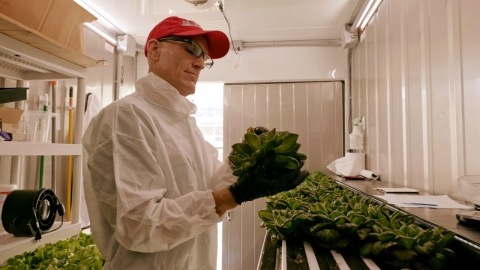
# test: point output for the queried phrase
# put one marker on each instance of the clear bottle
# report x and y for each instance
(356, 137)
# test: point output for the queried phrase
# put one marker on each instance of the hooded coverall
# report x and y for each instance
(149, 176)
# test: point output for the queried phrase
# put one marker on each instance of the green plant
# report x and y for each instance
(76, 253)
(320, 210)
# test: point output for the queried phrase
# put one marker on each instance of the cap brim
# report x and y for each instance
(218, 43)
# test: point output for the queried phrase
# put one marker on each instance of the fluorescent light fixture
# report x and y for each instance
(370, 13)
(366, 6)
(368, 9)
(108, 38)
(102, 17)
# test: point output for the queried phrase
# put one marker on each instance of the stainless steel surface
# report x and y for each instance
(440, 217)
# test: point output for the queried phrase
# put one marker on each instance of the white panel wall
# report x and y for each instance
(416, 78)
(273, 64)
(313, 110)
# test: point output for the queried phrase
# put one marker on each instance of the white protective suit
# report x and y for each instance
(149, 182)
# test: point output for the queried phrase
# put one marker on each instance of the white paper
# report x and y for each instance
(351, 164)
(369, 174)
(397, 190)
(441, 201)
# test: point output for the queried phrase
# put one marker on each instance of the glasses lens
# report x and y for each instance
(194, 48)
(208, 61)
(197, 50)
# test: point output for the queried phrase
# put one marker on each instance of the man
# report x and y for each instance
(155, 188)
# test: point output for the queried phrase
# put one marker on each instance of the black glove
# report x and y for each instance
(260, 130)
(265, 179)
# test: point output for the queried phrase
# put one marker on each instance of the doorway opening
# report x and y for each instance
(208, 98)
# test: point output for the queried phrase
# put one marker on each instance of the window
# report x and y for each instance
(209, 116)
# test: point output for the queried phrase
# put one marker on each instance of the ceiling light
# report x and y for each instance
(366, 6)
(107, 37)
(197, 2)
(370, 13)
(202, 4)
(366, 13)
(102, 17)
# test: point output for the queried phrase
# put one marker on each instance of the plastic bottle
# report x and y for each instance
(4, 191)
(356, 137)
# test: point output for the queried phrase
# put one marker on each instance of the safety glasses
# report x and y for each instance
(194, 49)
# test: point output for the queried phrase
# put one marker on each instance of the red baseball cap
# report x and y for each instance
(218, 43)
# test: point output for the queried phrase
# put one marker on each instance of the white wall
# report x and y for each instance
(416, 78)
(273, 64)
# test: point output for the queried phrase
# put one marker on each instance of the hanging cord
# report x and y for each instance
(38, 232)
(220, 6)
(60, 208)
(61, 223)
(350, 60)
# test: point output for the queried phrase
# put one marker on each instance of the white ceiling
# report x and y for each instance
(250, 20)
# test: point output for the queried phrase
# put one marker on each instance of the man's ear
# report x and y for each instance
(152, 48)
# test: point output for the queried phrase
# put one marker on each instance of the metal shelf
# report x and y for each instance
(11, 246)
(39, 149)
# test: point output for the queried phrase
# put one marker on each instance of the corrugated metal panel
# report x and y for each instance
(470, 75)
(314, 110)
(415, 78)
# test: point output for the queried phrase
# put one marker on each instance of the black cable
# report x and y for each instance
(61, 223)
(350, 60)
(59, 209)
(220, 6)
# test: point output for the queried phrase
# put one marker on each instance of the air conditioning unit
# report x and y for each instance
(348, 39)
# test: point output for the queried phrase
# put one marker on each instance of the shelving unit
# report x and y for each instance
(27, 55)
(32, 38)
(12, 94)
(39, 149)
